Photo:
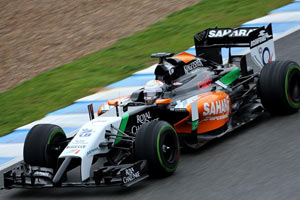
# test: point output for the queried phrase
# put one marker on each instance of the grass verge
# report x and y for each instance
(58, 88)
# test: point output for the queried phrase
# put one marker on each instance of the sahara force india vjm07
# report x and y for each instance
(192, 100)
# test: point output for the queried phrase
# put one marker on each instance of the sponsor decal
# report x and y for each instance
(140, 120)
(73, 151)
(92, 150)
(143, 118)
(175, 83)
(229, 32)
(266, 56)
(42, 174)
(134, 129)
(216, 108)
(79, 142)
(262, 37)
(204, 84)
(130, 175)
(86, 132)
(195, 64)
(170, 68)
(76, 147)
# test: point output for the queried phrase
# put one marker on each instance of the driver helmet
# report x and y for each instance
(152, 90)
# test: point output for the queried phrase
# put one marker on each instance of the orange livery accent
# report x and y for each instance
(100, 110)
(163, 101)
(185, 57)
(117, 101)
(112, 102)
(214, 110)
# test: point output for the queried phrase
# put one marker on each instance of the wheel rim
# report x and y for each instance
(51, 154)
(296, 92)
(168, 147)
(294, 86)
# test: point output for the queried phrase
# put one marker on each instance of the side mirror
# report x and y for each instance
(91, 111)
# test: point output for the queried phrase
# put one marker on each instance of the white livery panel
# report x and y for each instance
(85, 143)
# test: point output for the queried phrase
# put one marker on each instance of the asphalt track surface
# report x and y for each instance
(258, 161)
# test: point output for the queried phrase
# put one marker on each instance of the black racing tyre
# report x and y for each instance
(157, 142)
(279, 87)
(37, 151)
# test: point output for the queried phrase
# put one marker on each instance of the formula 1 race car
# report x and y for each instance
(192, 100)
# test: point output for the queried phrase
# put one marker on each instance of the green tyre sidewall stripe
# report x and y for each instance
(286, 85)
(158, 149)
(53, 133)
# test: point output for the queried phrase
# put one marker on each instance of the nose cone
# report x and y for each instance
(85, 143)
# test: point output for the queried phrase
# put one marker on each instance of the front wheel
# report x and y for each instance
(39, 145)
(157, 142)
(279, 87)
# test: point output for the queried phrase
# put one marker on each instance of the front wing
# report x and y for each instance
(25, 176)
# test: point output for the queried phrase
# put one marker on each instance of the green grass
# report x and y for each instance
(60, 87)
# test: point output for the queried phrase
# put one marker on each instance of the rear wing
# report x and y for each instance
(208, 43)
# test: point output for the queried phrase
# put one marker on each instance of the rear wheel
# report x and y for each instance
(279, 87)
(39, 147)
(157, 142)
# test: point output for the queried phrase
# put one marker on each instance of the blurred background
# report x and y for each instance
(36, 36)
